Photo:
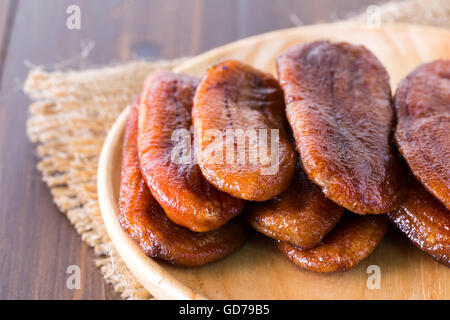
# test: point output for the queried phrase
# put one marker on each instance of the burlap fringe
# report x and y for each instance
(74, 111)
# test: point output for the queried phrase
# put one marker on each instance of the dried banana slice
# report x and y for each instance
(339, 107)
(426, 222)
(243, 147)
(344, 247)
(422, 102)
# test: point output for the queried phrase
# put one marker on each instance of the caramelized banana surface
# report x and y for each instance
(426, 222)
(167, 162)
(339, 107)
(144, 220)
(422, 103)
(344, 247)
(301, 215)
(243, 147)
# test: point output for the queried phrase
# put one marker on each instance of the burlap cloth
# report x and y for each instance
(71, 116)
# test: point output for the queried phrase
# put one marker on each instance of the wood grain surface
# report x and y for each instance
(37, 243)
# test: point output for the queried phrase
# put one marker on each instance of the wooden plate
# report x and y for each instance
(258, 271)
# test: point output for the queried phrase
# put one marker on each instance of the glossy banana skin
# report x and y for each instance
(339, 105)
(301, 215)
(144, 220)
(178, 185)
(234, 96)
(422, 102)
(426, 222)
(352, 240)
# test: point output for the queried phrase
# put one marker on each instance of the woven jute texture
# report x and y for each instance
(71, 116)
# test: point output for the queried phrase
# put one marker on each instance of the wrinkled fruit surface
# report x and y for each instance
(144, 220)
(301, 215)
(426, 222)
(422, 103)
(349, 243)
(339, 107)
(235, 99)
(167, 162)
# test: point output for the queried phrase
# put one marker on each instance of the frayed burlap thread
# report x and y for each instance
(74, 111)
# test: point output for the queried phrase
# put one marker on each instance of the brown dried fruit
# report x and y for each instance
(144, 220)
(301, 215)
(234, 98)
(426, 222)
(339, 107)
(344, 247)
(176, 182)
(422, 103)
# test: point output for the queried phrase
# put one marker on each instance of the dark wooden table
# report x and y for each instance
(37, 243)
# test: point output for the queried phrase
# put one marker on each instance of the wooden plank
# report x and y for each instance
(7, 13)
(37, 242)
